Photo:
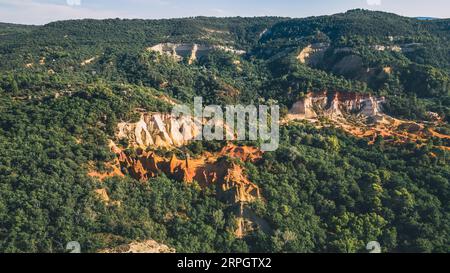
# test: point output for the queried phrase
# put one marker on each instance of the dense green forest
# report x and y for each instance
(324, 190)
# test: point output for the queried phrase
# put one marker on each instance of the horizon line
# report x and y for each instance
(422, 18)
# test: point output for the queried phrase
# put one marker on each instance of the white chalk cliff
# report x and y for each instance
(334, 105)
(191, 52)
(164, 130)
(158, 130)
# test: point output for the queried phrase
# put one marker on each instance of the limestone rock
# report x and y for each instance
(158, 130)
(191, 52)
(336, 104)
(360, 115)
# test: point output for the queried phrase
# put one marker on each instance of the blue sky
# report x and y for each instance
(44, 11)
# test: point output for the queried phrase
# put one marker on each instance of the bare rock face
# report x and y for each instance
(102, 194)
(311, 53)
(336, 104)
(360, 115)
(210, 169)
(191, 52)
(303, 108)
(237, 183)
(158, 130)
(148, 246)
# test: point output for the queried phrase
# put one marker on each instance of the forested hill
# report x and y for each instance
(66, 86)
(78, 38)
(359, 27)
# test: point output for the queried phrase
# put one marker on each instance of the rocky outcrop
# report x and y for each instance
(405, 48)
(191, 52)
(335, 105)
(210, 169)
(312, 52)
(88, 61)
(387, 69)
(393, 48)
(358, 114)
(102, 194)
(219, 170)
(158, 130)
(149, 246)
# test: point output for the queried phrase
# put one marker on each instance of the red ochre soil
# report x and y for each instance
(208, 169)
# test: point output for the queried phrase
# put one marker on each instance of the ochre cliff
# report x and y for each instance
(360, 115)
(209, 169)
(155, 131)
(113, 168)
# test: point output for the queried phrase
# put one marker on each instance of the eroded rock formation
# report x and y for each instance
(312, 52)
(219, 170)
(191, 52)
(158, 130)
(360, 115)
(88, 61)
(336, 104)
(209, 169)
